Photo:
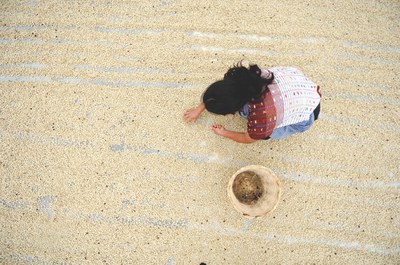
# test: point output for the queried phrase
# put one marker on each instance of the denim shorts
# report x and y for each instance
(283, 132)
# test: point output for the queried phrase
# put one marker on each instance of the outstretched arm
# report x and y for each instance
(191, 115)
(240, 137)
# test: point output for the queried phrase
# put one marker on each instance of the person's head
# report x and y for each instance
(239, 86)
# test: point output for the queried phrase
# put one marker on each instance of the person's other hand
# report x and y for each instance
(218, 129)
(191, 115)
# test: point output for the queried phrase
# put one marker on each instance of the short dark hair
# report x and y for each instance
(239, 86)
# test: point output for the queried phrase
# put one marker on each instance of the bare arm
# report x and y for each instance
(240, 137)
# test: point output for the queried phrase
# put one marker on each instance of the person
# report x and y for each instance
(277, 103)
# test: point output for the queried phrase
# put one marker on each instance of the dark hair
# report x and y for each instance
(239, 86)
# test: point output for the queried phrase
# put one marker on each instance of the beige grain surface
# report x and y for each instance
(97, 166)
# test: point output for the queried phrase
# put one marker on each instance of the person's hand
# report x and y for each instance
(191, 115)
(218, 129)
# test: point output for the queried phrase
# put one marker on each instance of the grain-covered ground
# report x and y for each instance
(98, 167)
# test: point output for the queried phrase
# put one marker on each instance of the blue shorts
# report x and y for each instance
(300, 127)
